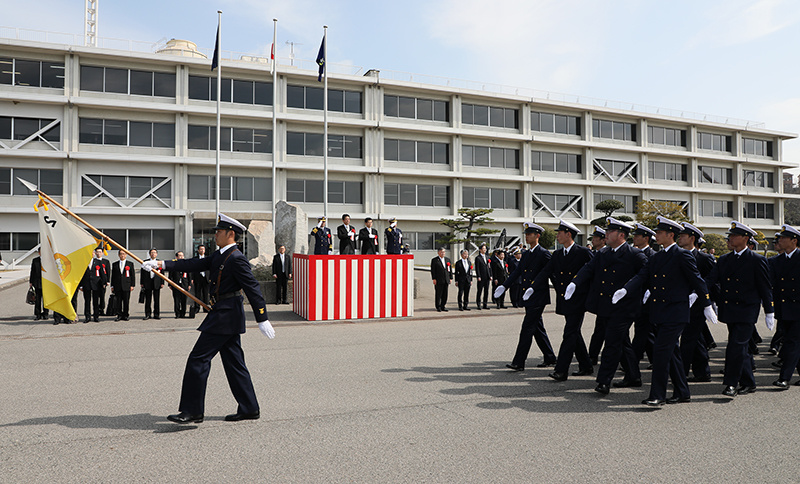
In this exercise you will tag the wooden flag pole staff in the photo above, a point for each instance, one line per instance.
(120, 247)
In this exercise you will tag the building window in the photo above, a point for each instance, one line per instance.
(416, 108)
(558, 205)
(33, 73)
(615, 170)
(660, 170)
(485, 156)
(127, 81)
(311, 144)
(241, 140)
(499, 198)
(716, 208)
(556, 162)
(310, 191)
(715, 175)
(143, 239)
(238, 91)
(758, 147)
(629, 201)
(237, 188)
(307, 97)
(416, 195)
(714, 142)
(126, 187)
(555, 123)
(762, 179)
(603, 128)
(666, 136)
(416, 151)
(425, 240)
(489, 116)
(759, 210)
(48, 181)
(23, 128)
(18, 241)
(126, 133)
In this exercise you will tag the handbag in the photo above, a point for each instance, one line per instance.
(30, 297)
(111, 307)
(141, 296)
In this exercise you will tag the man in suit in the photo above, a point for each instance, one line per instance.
(608, 271)
(281, 272)
(562, 268)
(35, 281)
(123, 280)
(368, 237)
(463, 280)
(394, 237)
(106, 265)
(643, 332)
(93, 286)
(499, 271)
(441, 275)
(531, 264)
(786, 288)
(741, 282)
(323, 243)
(221, 330)
(672, 284)
(694, 351)
(151, 285)
(515, 292)
(199, 284)
(183, 281)
(346, 234)
(482, 272)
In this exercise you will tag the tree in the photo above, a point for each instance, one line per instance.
(716, 242)
(608, 207)
(468, 227)
(548, 238)
(647, 211)
(791, 207)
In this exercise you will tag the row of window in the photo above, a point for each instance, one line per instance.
(416, 195)
(416, 151)
(125, 186)
(425, 240)
(232, 90)
(555, 123)
(602, 128)
(416, 108)
(126, 133)
(242, 140)
(22, 128)
(308, 97)
(50, 182)
(143, 240)
(666, 136)
(480, 115)
(127, 81)
(556, 162)
(33, 73)
(559, 203)
(313, 144)
(499, 198)
(239, 188)
(483, 156)
(311, 191)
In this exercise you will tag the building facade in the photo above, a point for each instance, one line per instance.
(127, 141)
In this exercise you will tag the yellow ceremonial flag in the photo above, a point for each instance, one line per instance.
(66, 252)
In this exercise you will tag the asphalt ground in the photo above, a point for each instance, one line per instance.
(425, 399)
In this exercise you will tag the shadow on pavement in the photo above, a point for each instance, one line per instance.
(139, 421)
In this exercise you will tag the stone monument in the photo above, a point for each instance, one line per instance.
(260, 242)
(291, 228)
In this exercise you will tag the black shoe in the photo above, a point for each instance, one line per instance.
(37, 318)
(584, 372)
(712, 346)
(96, 320)
(117, 318)
(627, 383)
(85, 320)
(438, 310)
(485, 307)
(699, 379)
(594, 361)
(184, 418)
(602, 388)
(146, 318)
(777, 364)
(479, 307)
(156, 317)
(444, 310)
(673, 400)
(558, 376)
(782, 384)
(242, 416)
(546, 364)
(744, 390)
(466, 309)
(514, 367)
(655, 402)
(729, 391)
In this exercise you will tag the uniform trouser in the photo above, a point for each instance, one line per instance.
(777, 338)
(693, 348)
(123, 303)
(572, 343)
(483, 286)
(195, 378)
(791, 348)
(598, 336)
(643, 336)
(738, 360)
(515, 294)
(38, 310)
(463, 295)
(153, 295)
(500, 301)
(667, 362)
(179, 303)
(617, 349)
(533, 328)
(201, 293)
(91, 303)
(440, 294)
(708, 338)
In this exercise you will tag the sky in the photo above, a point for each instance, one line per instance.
(727, 58)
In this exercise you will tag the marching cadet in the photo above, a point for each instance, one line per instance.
(606, 273)
(598, 239)
(673, 285)
(643, 333)
(346, 234)
(394, 238)
(777, 337)
(562, 268)
(694, 351)
(368, 237)
(221, 330)
(531, 264)
(515, 291)
(786, 288)
(323, 244)
(483, 273)
(463, 280)
(499, 270)
(742, 282)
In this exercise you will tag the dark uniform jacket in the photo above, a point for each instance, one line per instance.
(499, 269)
(234, 273)
(36, 273)
(441, 274)
(530, 265)
(394, 240)
(463, 276)
(741, 285)
(786, 286)
(123, 281)
(368, 245)
(607, 272)
(705, 262)
(561, 270)
(323, 243)
(346, 246)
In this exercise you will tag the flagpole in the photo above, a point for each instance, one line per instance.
(325, 119)
(219, 95)
(120, 247)
(274, 117)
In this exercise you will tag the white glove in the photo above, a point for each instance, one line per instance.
(569, 291)
(149, 265)
(330, 252)
(692, 299)
(770, 321)
(646, 296)
(266, 329)
(528, 294)
(618, 295)
(499, 291)
(710, 315)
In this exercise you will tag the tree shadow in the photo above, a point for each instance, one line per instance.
(139, 421)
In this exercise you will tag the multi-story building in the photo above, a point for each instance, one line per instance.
(127, 140)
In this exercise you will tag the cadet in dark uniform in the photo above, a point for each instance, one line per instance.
(786, 288)
(643, 332)
(221, 330)
(182, 279)
(607, 272)
(323, 243)
(394, 238)
(35, 281)
(742, 283)
(531, 264)
(499, 270)
(562, 268)
(463, 280)
(346, 234)
(598, 241)
(775, 343)
(368, 237)
(515, 291)
(670, 277)
(482, 272)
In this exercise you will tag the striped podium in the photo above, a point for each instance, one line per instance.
(331, 287)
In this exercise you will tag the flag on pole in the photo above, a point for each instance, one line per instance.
(321, 60)
(66, 252)
(215, 60)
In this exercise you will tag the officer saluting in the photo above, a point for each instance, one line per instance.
(221, 329)
(786, 287)
(323, 244)
(394, 238)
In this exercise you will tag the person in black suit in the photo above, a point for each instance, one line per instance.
(531, 264)
(183, 280)
(463, 280)
(515, 291)
(221, 330)
(346, 234)
(482, 272)
(499, 270)
(741, 283)
(93, 285)
(199, 284)
(281, 272)
(442, 275)
(608, 271)
(368, 237)
(562, 268)
(123, 280)
(643, 332)
(673, 285)
(35, 281)
(151, 285)
(786, 288)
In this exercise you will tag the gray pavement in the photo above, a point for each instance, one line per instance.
(416, 400)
